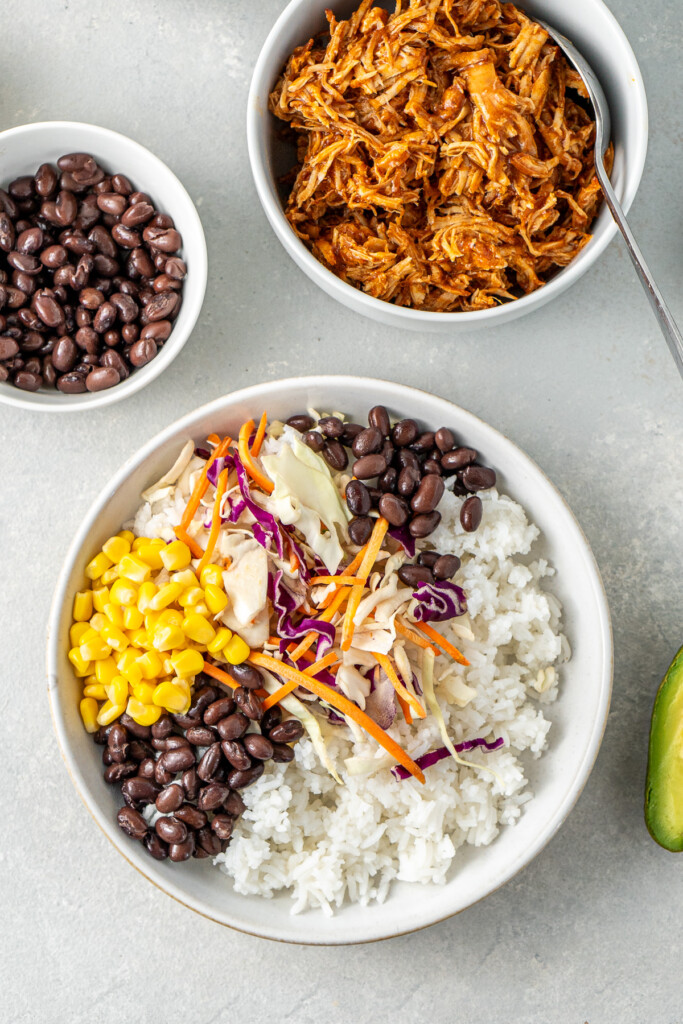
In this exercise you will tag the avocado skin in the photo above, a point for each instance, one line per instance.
(665, 761)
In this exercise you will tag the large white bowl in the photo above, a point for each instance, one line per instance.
(23, 150)
(594, 30)
(578, 716)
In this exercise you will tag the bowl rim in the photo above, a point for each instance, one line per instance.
(36, 401)
(379, 309)
(604, 678)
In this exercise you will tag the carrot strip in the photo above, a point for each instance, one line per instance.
(340, 581)
(260, 434)
(401, 690)
(213, 439)
(414, 637)
(371, 551)
(405, 708)
(311, 670)
(344, 576)
(293, 560)
(247, 460)
(341, 703)
(284, 691)
(215, 520)
(326, 616)
(443, 643)
(198, 493)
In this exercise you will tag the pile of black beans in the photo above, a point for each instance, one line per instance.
(90, 279)
(196, 793)
(401, 471)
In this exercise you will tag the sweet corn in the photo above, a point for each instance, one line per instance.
(114, 613)
(186, 577)
(198, 628)
(170, 617)
(145, 595)
(109, 576)
(143, 714)
(221, 638)
(216, 599)
(95, 690)
(187, 663)
(105, 671)
(138, 637)
(97, 565)
(201, 609)
(126, 535)
(150, 554)
(211, 574)
(82, 606)
(114, 636)
(150, 663)
(126, 658)
(98, 620)
(132, 567)
(89, 680)
(191, 597)
(144, 692)
(80, 664)
(117, 691)
(132, 673)
(88, 709)
(176, 555)
(100, 597)
(123, 592)
(116, 547)
(110, 712)
(77, 632)
(165, 638)
(167, 664)
(236, 651)
(172, 697)
(94, 649)
(132, 617)
(137, 543)
(165, 596)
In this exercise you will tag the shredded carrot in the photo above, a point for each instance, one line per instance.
(213, 439)
(371, 551)
(340, 581)
(326, 616)
(198, 493)
(222, 677)
(284, 691)
(247, 459)
(443, 643)
(293, 560)
(405, 708)
(227, 562)
(344, 576)
(215, 520)
(413, 637)
(260, 434)
(341, 703)
(401, 690)
(322, 663)
(311, 670)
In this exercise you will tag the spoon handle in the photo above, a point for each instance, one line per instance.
(666, 321)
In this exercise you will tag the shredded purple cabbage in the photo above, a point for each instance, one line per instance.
(217, 467)
(285, 604)
(439, 601)
(404, 537)
(434, 756)
(298, 551)
(268, 529)
(202, 453)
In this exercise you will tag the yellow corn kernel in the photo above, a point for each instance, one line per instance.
(187, 663)
(186, 577)
(123, 592)
(170, 617)
(145, 595)
(126, 535)
(211, 574)
(165, 638)
(115, 548)
(100, 597)
(172, 697)
(82, 606)
(236, 651)
(167, 664)
(105, 670)
(198, 628)
(97, 565)
(176, 555)
(97, 621)
(151, 620)
(114, 613)
(117, 691)
(88, 708)
(89, 680)
(126, 658)
(110, 712)
(95, 690)
(132, 618)
(138, 637)
(201, 609)
(94, 649)
(221, 638)
(165, 596)
(144, 692)
(149, 553)
(143, 714)
(150, 663)
(115, 637)
(77, 632)
(137, 542)
(191, 597)
(132, 673)
(109, 576)
(132, 567)
(216, 599)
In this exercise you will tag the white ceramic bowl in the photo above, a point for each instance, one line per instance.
(24, 149)
(578, 716)
(594, 30)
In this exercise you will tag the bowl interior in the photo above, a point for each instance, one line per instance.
(588, 23)
(578, 716)
(23, 149)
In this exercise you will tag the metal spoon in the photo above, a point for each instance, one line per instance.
(602, 137)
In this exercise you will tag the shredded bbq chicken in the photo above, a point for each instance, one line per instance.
(442, 162)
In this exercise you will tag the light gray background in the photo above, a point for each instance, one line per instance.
(592, 929)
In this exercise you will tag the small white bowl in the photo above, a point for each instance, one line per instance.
(596, 33)
(23, 150)
(578, 716)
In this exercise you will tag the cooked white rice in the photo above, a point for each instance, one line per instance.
(327, 843)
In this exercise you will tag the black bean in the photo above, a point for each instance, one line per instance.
(102, 378)
(223, 825)
(432, 466)
(428, 494)
(351, 432)
(258, 746)
(171, 830)
(212, 796)
(444, 439)
(408, 481)
(235, 753)
(132, 823)
(139, 791)
(314, 440)
(446, 567)
(232, 727)
(162, 728)
(209, 841)
(116, 772)
(368, 442)
(369, 466)
(428, 558)
(179, 852)
(457, 459)
(471, 513)
(246, 675)
(424, 524)
(288, 731)
(209, 762)
(219, 709)
(248, 703)
(271, 718)
(139, 751)
(301, 422)
(177, 760)
(411, 575)
(423, 443)
(282, 754)
(394, 509)
(190, 783)
(156, 847)
(404, 433)
(335, 455)
(234, 804)
(358, 498)
(138, 214)
(239, 779)
(170, 799)
(478, 478)
(200, 736)
(379, 417)
(388, 481)
(146, 768)
(142, 732)
(331, 426)
(191, 816)
(360, 529)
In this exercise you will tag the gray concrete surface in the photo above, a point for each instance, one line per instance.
(591, 931)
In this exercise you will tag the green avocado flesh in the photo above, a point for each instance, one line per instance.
(664, 787)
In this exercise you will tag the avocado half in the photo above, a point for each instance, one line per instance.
(664, 786)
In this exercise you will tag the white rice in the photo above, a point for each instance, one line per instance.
(327, 843)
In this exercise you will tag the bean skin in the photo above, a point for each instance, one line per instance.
(478, 478)
(424, 524)
(358, 498)
(471, 513)
(132, 823)
(379, 417)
